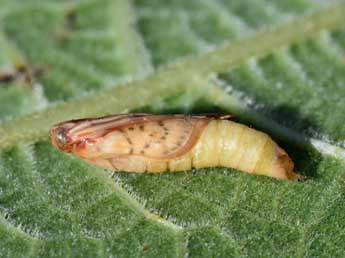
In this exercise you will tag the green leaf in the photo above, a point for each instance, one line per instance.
(277, 65)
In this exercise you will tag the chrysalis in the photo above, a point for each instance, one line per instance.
(158, 143)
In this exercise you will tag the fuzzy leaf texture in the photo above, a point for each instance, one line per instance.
(278, 66)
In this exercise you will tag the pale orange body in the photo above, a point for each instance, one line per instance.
(159, 143)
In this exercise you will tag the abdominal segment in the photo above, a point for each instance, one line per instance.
(180, 144)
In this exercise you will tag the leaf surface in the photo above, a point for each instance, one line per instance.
(277, 65)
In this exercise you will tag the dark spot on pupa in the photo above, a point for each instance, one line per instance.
(179, 143)
(165, 129)
(142, 152)
(129, 140)
(130, 128)
(147, 145)
(163, 138)
(131, 151)
(166, 133)
(141, 127)
(160, 123)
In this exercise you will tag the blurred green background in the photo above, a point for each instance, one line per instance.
(279, 66)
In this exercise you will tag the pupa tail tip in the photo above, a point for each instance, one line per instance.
(297, 177)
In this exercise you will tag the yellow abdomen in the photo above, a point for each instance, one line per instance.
(229, 144)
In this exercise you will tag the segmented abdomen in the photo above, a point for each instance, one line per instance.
(222, 143)
(229, 144)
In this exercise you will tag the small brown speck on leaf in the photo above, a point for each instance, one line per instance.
(64, 31)
(70, 20)
(6, 76)
(21, 74)
(146, 247)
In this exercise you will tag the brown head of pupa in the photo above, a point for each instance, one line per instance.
(59, 136)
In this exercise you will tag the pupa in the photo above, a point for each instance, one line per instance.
(151, 143)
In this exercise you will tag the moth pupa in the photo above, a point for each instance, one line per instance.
(158, 143)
